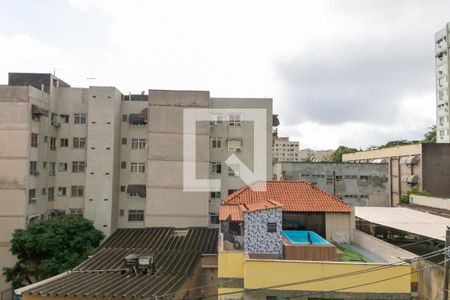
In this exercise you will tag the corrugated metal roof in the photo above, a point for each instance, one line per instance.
(295, 196)
(409, 220)
(175, 252)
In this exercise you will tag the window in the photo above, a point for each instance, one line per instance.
(62, 167)
(33, 168)
(441, 133)
(442, 81)
(77, 212)
(124, 118)
(79, 118)
(44, 165)
(64, 118)
(215, 195)
(53, 120)
(32, 195)
(45, 138)
(52, 143)
(364, 177)
(123, 165)
(330, 179)
(271, 227)
(234, 120)
(121, 213)
(441, 121)
(62, 191)
(216, 143)
(215, 119)
(79, 143)
(138, 143)
(51, 194)
(231, 191)
(51, 168)
(216, 168)
(124, 141)
(233, 170)
(78, 166)
(34, 139)
(214, 218)
(64, 142)
(234, 145)
(44, 192)
(122, 188)
(338, 177)
(135, 215)
(77, 191)
(137, 167)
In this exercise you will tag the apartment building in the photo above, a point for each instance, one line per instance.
(314, 155)
(424, 166)
(442, 85)
(358, 184)
(226, 131)
(285, 150)
(115, 159)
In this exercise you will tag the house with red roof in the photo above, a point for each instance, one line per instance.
(303, 207)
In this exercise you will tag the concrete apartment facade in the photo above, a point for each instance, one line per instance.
(442, 85)
(285, 150)
(215, 141)
(114, 159)
(425, 166)
(358, 184)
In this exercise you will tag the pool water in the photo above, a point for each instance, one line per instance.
(304, 237)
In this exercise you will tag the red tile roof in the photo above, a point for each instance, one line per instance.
(295, 196)
(234, 212)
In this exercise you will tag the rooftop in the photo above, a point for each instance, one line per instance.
(234, 212)
(295, 196)
(175, 252)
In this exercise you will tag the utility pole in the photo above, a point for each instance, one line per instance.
(446, 263)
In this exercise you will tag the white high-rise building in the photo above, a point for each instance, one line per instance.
(442, 85)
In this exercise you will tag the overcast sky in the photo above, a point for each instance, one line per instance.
(353, 73)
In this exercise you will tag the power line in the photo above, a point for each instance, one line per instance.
(428, 255)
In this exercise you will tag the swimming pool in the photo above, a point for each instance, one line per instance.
(304, 237)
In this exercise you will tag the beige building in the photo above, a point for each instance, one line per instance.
(442, 85)
(285, 150)
(86, 152)
(425, 166)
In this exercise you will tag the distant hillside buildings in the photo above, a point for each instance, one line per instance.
(442, 84)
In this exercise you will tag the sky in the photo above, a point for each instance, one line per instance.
(340, 72)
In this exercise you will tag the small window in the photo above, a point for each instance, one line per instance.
(271, 227)
(51, 194)
(234, 120)
(79, 143)
(124, 141)
(135, 215)
(121, 213)
(64, 118)
(44, 192)
(51, 168)
(62, 167)
(52, 143)
(32, 195)
(34, 139)
(215, 119)
(124, 118)
(216, 168)
(78, 166)
(122, 188)
(231, 191)
(137, 167)
(123, 165)
(234, 170)
(216, 143)
(33, 168)
(77, 212)
(79, 119)
(215, 195)
(77, 191)
(138, 144)
(62, 191)
(214, 218)
(64, 142)
(234, 145)
(45, 138)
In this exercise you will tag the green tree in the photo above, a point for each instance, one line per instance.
(430, 136)
(395, 143)
(337, 155)
(50, 247)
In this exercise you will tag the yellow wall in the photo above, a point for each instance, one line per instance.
(231, 265)
(260, 273)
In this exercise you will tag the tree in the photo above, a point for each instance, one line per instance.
(50, 247)
(395, 143)
(404, 199)
(430, 136)
(337, 155)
